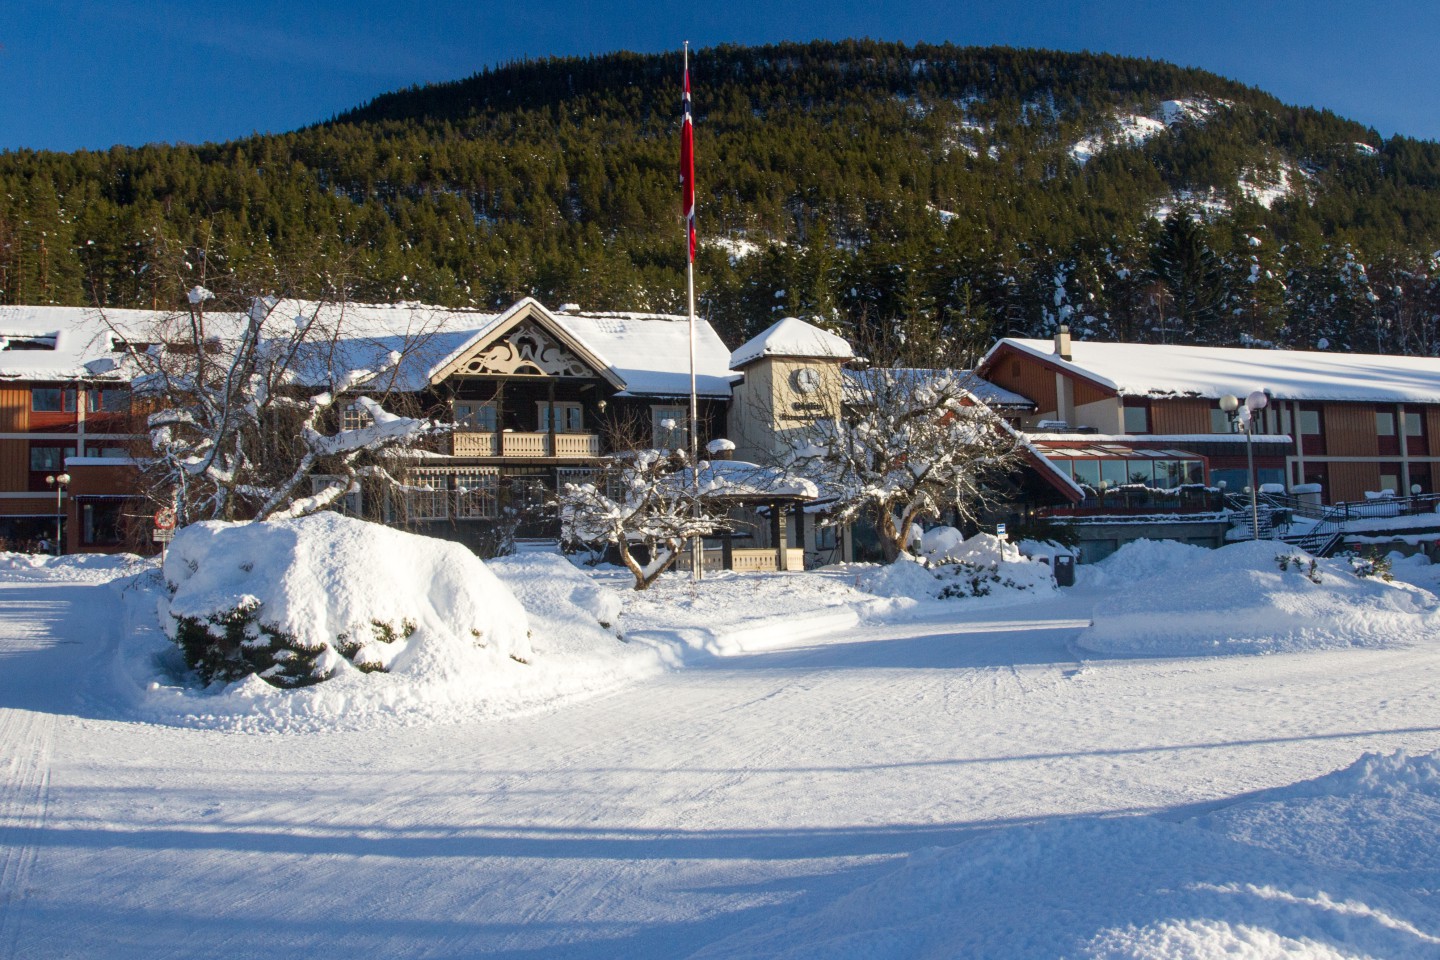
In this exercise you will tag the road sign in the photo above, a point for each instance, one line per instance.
(165, 519)
(1000, 530)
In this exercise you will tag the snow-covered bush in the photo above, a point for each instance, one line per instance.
(953, 567)
(298, 601)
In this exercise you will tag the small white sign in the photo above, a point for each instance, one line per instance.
(164, 535)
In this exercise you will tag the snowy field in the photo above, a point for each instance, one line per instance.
(1189, 754)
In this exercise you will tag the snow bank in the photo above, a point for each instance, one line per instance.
(1238, 600)
(1139, 560)
(445, 634)
(1343, 866)
(74, 568)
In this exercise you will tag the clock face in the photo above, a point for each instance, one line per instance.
(806, 379)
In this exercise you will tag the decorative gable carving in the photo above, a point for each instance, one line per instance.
(527, 350)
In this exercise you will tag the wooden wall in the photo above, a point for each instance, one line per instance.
(14, 408)
(1180, 416)
(1350, 431)
(1027, 377)
(1349, 481)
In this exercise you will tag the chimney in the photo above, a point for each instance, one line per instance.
(1062, 342)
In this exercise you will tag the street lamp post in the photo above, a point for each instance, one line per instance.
(1244, 417)
(59, 482)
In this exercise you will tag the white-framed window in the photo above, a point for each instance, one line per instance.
(440, 493)
(476, 416)
(477, 493)
(354, 416)
(569, 417)
(350, 503)
(426, 494)
(667, 427)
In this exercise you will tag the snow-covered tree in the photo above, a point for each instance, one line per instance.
(911, 445)
(640, 498)
(266, 413)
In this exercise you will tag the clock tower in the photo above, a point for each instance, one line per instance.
(793, 377)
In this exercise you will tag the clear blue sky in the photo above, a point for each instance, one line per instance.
(92, 73)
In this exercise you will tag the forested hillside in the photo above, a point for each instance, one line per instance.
(934, 195)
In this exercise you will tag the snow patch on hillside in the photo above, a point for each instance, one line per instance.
(1130, 130)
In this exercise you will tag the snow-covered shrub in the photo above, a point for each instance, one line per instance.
(953, 567)
(1372, 563)
(296, 602)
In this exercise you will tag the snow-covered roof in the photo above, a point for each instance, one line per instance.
(1162, 370)
(859, 383)
(649, 353)
(67, 343)
(792, 337)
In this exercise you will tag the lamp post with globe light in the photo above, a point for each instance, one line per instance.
(59, 482)
(1243, 416)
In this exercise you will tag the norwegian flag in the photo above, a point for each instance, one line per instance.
(687, 167)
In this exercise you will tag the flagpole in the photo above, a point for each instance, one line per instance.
(697, 544)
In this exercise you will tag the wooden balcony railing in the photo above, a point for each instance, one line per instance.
(465, 443)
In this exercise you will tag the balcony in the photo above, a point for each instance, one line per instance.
(466, 443)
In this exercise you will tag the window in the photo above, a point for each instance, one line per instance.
(476, 416)
(101, 524)
(1220, 421)
(349, 503)
(477, 494)
(667, 427)
(1114, 473)
(1390, 482)
(52, 399)
(1087, 472)
(109, 453)
(1385, 423)
(426, 495)
(569, 417)
(1310, 422)
(354, 416)
(1137, 419)
(107, 399)
(1414, 426)
(49, 459)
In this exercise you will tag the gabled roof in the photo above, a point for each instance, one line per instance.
(638, 353)
(1163, 370)
(792, 337)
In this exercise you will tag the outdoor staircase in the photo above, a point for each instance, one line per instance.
(1326, 527)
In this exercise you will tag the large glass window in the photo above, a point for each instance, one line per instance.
(49, 459)
(476, 416)
(569, 417)
(1088, 473)
(1113, 473)
(52, 399)
(1137, 419)
(107, 399)
(1140, 471)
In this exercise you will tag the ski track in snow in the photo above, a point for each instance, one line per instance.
(646, 822)
(37, 621)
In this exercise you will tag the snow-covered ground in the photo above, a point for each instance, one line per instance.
(785, 765)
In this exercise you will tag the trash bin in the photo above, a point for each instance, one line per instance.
(1064, 570)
